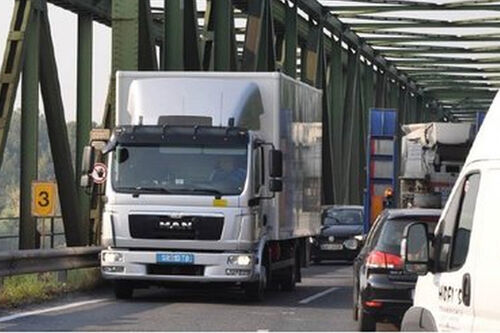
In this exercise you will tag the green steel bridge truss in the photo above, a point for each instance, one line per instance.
(363, 54)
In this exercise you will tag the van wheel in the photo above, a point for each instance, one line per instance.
(366, 322)
(123, 289)
(254, 291)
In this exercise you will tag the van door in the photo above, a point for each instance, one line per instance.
(486, 296)
(454, 265)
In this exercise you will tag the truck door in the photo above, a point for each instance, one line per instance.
(452, 288)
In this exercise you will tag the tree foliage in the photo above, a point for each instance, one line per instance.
(11, 168)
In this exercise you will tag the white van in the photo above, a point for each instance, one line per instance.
(459, 283)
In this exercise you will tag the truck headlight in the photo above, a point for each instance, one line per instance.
(240, 260)
(110, 257)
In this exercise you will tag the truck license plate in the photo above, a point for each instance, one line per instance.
(331, 246)
(175, 258)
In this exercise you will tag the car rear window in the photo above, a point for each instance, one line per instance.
(344, 216)
(391, 233)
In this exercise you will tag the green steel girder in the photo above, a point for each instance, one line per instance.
(396, 51)
(332, 23)
(181, 36)
(259, 52)
(313, 53)
(224, 36)
(438, 69)
(11, 67)
(83, 107)
(348, 11)
(335, 90)
(147, 45)
(408, 60)
(29, 132)
(58, 136)
(351, 141)
(291, 41)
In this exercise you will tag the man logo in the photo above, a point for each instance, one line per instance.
(175, 225)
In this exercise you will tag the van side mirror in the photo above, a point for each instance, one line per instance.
(415, 248)
(275, 163)
(87, 163)
(275, 185)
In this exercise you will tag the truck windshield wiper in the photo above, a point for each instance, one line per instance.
(136, 191)
(201, 190)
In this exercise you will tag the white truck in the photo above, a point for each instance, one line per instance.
(213, 177)
(432, 156)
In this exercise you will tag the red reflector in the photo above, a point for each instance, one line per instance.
(379, 259)
(373, 304)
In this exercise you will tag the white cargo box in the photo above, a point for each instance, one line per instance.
(430, 134)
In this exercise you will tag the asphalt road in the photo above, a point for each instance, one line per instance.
(322, 302)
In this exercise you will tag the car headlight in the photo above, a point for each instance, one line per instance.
(240, 260)
(351, 244)
(110, 257)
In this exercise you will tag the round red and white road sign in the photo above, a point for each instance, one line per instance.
(99, 173)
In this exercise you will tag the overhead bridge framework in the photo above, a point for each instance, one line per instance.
(363, 54)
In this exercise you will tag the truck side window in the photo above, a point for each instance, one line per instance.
(455, 230)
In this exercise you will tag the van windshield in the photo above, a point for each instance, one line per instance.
(201, 170)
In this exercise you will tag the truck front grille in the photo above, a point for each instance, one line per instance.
(168, 227)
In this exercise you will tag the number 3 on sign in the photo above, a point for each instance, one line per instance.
(43, 196)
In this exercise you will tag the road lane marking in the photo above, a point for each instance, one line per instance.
(56, 308)
(318, 295)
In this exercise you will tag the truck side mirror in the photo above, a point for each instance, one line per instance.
(275, 163)
(87, 163)
(275, 185)
(415, 248)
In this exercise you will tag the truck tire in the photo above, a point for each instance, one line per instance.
(290, 279)
(123, 289)
(254, 291)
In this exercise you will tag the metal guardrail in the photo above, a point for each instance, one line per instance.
(48, 237)
(47, 260)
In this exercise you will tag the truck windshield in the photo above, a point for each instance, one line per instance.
(199, 170)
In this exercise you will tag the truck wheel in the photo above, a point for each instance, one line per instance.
(290, 279)
(254, 291)
(366, 322)
(123, 289)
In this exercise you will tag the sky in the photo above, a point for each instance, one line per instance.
(64, 35)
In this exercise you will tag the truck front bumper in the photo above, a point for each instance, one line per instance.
(206, 267)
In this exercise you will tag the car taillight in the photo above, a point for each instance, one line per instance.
(379, 259)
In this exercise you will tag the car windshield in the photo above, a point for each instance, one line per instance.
(199, 170)
(344, 216)
(392, 232)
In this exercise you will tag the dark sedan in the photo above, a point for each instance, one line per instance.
(383, 291)
(340, 225)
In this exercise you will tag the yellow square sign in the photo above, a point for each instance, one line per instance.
(44, 196)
